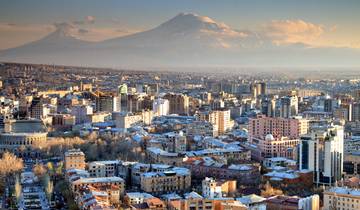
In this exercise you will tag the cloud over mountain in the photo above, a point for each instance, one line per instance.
(293, 31)
(186, 40)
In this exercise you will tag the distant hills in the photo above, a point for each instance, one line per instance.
(187, 40)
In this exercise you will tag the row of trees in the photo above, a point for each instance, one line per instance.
(9, 165)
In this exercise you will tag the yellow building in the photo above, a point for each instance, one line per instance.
(194, 201)
(342, 198)
(220, 119)
(74, 158)
(174, 180)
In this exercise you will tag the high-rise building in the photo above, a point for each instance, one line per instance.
(177, 142)
(268, 106)
(123, 92)
(260, 126)
(81, 113)
(321, 151)
(258, 89)
(38, 109)
(107, 102)
(219, 118)
(288, 106)
(355, 115)
(161, 107)
(179, 103)
(217, 104)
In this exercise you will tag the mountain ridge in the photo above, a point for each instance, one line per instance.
(186, 39)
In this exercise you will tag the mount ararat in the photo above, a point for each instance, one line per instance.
(187, 40)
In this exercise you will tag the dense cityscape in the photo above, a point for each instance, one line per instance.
(96, 138)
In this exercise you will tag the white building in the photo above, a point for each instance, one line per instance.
(322, 151)
(126, 120)
(161, 107)
(210, 189)
(105, 168)
(81, 113)
(137, 197)
(253, 202)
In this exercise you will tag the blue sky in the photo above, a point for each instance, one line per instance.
(137, 15)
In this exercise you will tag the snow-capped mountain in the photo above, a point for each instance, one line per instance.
(185, 40)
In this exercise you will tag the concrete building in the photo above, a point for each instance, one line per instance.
(201, 128)
(74, 159)
(342, 198)
(279, 147)
(81, 113)
(288, 106)
(103, 168)
(161, 107)
(322, 151)
(205, 167)
(157, 155)
(126, 120)
(220, 119)
(175, 180)
(104, 183)
(352, 164)
(261, 125)
(179, 103)
(136, 197)
(38, 109)
(212, 188)
(355, 115)
(293, 203)
(253, 202)
(276, 137)
(176, 142)
(107, 102)
(150, 204)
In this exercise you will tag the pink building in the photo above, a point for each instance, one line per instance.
(276, 137)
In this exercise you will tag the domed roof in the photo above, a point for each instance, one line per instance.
(269, 137)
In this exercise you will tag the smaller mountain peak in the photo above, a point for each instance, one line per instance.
(64, 29)
(194, 17)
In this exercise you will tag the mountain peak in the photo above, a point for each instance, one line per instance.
(192, 21)
(194, 17)
(64, 29)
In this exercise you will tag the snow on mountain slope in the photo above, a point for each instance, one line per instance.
(185, 40)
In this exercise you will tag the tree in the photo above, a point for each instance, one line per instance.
(39, 170)
(18, 189)
(9, 164)
(270, 191)
(49, 186)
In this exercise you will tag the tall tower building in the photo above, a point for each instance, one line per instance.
(161, 107)
(322, 151)
(109, 103)
(179, 103)
(268, 106)
(220, 119)
(288, 106)
(123, 94)
(355, 115)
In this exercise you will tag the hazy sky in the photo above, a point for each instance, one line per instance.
(315, 22)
